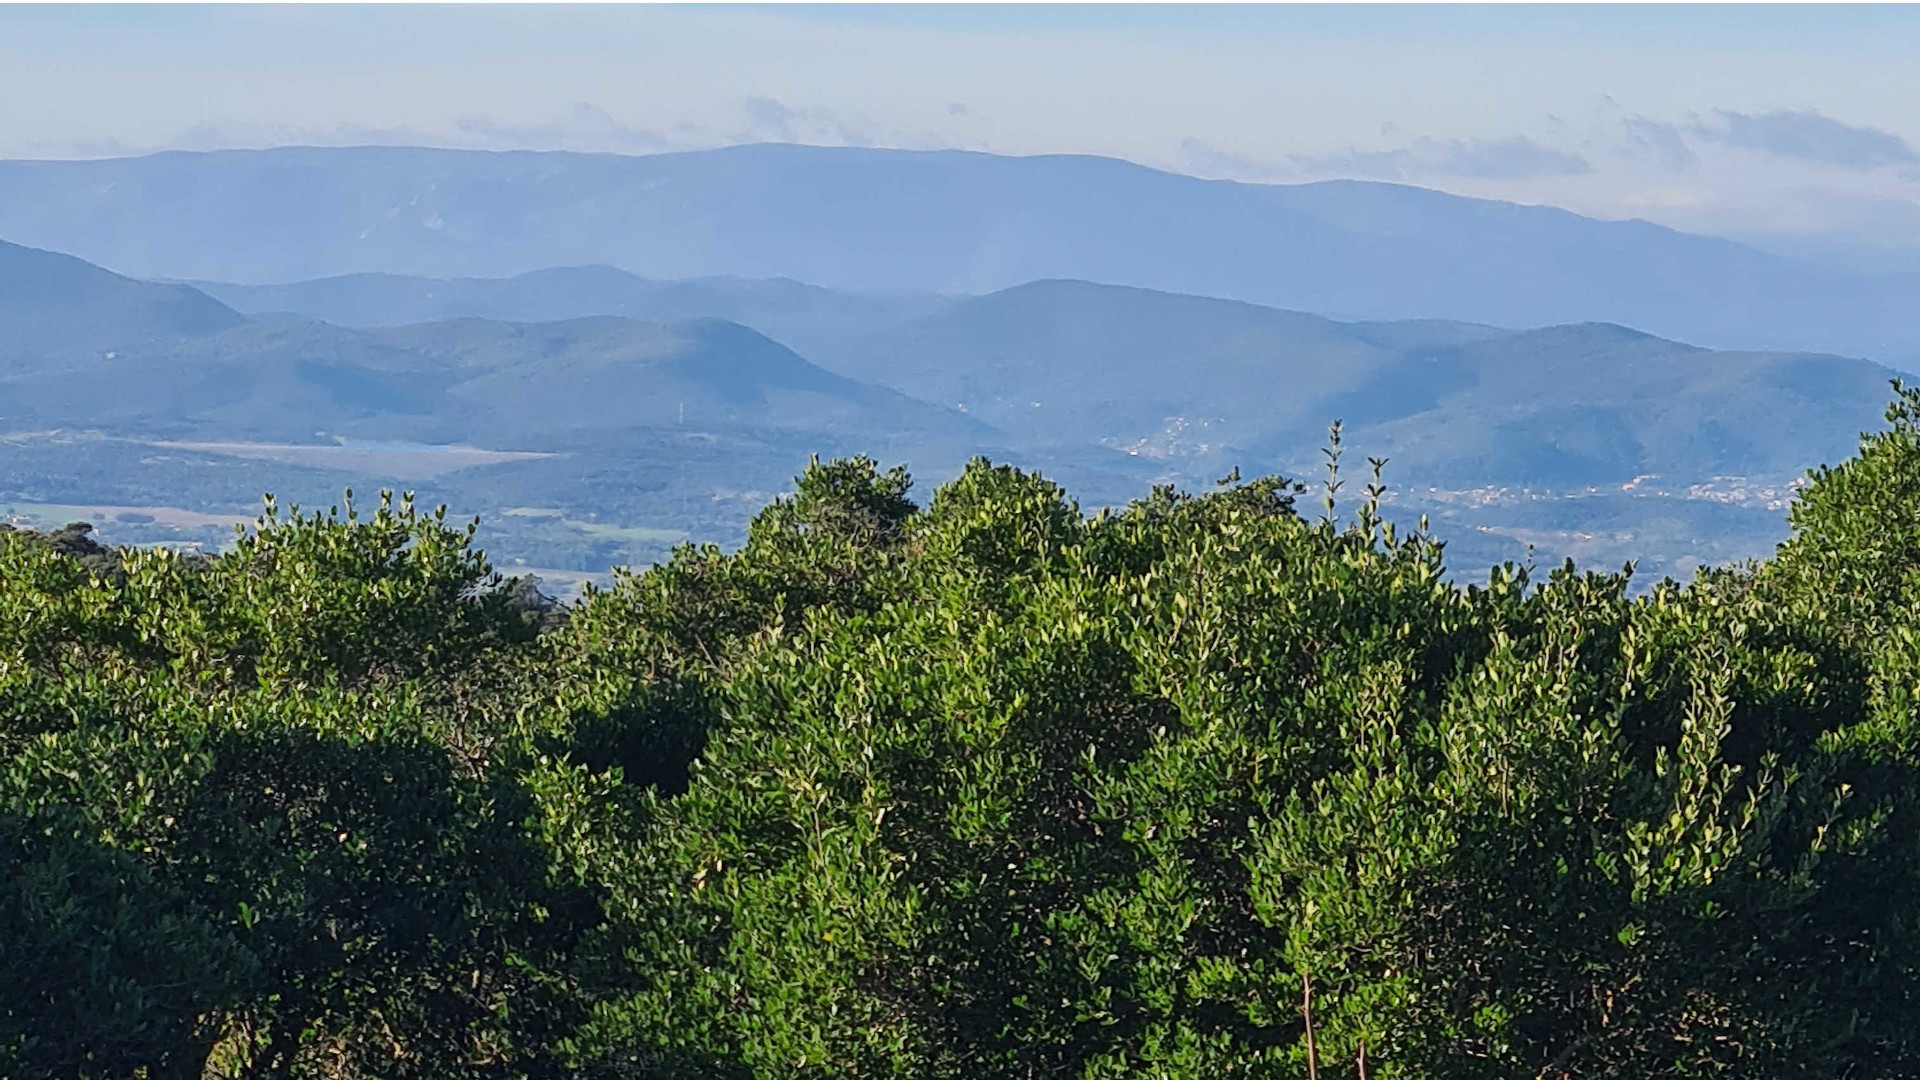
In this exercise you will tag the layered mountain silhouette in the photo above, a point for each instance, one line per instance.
(944, 221)
(54, 305)
(803, 316)
(468, 380)
(1227, 383)
(687, 422)
(1188, 384)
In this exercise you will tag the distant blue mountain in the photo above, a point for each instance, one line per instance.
(680, 425)
(54, 306)
(805, 317)
(942, 221)
(1206, 384)
(470, 380)
(1191, 386)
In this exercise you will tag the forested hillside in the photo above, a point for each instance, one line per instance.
(1229, 784)
(1197, 385)
(57, 306)
(514, 385)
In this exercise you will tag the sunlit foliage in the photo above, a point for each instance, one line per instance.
(1212, 786)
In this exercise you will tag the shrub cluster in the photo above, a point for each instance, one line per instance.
(1207, 787)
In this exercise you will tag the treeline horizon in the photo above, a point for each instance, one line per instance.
(1229, 784)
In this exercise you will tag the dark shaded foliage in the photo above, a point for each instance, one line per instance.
(1202, 788)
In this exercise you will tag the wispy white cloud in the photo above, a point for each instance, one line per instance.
(1515, 157)
(1658, 141)
(772, 120)
(1808, 136)
(1204, 159)
(584, 126)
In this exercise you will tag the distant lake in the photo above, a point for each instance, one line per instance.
(399, 460)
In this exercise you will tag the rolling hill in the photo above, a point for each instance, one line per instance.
(944, 221)
(1206, 384)
(519, 384)
(56, 305)
(598, 438)
(805, 317)
(1194, 383)
(1156, 373)
(583, 443)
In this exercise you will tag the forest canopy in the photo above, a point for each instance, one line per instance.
(1229, 784)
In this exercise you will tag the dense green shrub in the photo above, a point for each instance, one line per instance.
(1201, 788)
(273, 810)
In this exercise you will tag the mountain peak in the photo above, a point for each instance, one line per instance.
(57, 305)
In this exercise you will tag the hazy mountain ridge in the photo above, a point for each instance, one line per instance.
(678, 428)
(1226, 384)
(54, 305)
(799, 315)
(466, 380)
(1198, 384)
(942, 221)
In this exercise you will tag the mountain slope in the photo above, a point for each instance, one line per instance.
(1058, 361)
(626, 435)
(1205, 384)
(802, 316)
(1187, 384)
(522, 385)
(57, 305)
(945, 221)
(1600, 404)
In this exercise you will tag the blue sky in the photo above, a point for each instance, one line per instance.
(1795, 125)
